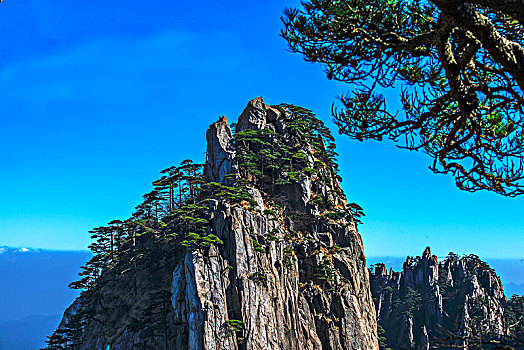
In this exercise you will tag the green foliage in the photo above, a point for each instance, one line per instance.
(173, 199)
(514, 315)
(452, 257)
(325, 272)
(356, 211)
(230, 194)
(192, 240)
(268, 160)
(406, 304)
(269, 212)
(461, 97)
(382, 341)
(335, 215)
(475, 264)
(288, 253)
(70, 335)
(258, 277)
(479, 322)
(258, 247)
(235, 325)
(335, 248)
(389, 290)
(176, 212)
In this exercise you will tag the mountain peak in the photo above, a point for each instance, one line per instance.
(259, 251)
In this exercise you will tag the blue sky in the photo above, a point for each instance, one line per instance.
(96, 99)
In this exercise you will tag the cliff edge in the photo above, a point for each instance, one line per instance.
(260, 251)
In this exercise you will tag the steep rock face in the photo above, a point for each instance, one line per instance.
(220, 152)
(282, 276)
(458, 302)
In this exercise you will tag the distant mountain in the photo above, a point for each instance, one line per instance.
(28, 333)
(513, 288)
(510, 271)
(454, 302)
(394, 262)
(35, 282)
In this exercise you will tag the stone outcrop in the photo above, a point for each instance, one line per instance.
(220, 152)
(457, 303)
(282, 277)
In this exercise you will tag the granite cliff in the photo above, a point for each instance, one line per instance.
(458, 302)
(260, 251)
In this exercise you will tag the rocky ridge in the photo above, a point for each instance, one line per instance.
(278, 262)
(455, 303)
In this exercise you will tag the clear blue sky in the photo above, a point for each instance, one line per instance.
(97, 98)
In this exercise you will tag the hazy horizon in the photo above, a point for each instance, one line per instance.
(35, 293)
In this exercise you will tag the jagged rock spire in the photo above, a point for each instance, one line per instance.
(273, 277)
(220, 152)
(257, 115)
(430, 304)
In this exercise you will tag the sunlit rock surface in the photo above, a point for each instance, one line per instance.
(282, 279)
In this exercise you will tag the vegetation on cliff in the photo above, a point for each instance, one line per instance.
(457, 302)
(176, 217)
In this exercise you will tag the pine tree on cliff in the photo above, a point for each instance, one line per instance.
(514, 318)
(102, 257)
(70, 335)
(192, 176)
(176, 219)
(168, 183)
(118, 235)
(155, 318)
(149, 210)
(248, 159)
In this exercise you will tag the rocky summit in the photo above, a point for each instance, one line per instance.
(458, 302)
(255, 249)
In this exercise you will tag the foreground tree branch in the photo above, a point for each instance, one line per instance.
(459, 67)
